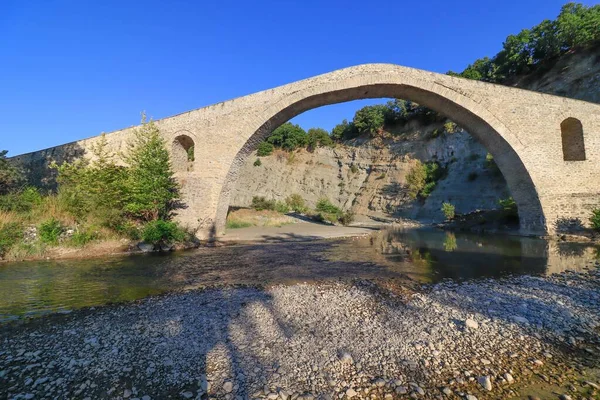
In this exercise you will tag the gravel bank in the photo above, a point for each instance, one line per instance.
(484, 339)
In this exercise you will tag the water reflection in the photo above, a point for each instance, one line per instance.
(35, 288)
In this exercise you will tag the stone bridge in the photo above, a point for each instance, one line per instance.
(547, 147)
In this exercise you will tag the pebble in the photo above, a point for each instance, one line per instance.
(485, 382)
(471, 324)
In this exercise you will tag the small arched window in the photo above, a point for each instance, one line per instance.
(573, 145)
(183, 153)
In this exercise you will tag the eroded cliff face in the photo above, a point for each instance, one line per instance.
(368, 176)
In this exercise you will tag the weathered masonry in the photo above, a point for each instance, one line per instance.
(547, 147)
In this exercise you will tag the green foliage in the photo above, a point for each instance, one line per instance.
(259, 203)
(296, 203)
(190, 153)
(289, 137)
(318, 137)
(257, 163)
(21, 201)
(281, 207)
(381, 176)
(264, 149)
(326, 206)
(160, 231)
(50, 231)
(450, 242)
(81, 238)
(576, 26)
(353, 168)
(594, 219)
(151, 189)
(509, 207)
(346, 218)
(10, 234)
(344, 131)
(449, 210)
(450, 127)
(370, 119)
(422, 178)
(10, 176)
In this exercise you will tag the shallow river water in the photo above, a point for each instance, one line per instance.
(421, 255)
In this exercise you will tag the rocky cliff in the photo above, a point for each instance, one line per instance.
(368, 176)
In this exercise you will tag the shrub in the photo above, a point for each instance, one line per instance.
(353, 168)
(472, 176)
(381, 176)
(282, 207)
(450, 127)
(257, 163)
(509, 207)
(81, 238)
(595, 219)
(344, 131)
(264, 149)
(296, 203)
(161, 231)
(50, 231)
(346, 218)
(10, 234)
(449, 210)
(10, 175)
(324, 205)
(422, 178)
(22, 201)
(259, 203)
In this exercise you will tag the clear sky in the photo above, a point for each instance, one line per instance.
(73, 69)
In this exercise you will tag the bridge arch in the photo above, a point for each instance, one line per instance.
(463, 108)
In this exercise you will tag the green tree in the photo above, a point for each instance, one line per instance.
(318, 137)
(151, 190)
(10, 175)
(289, 137)
(370, 118)
(344, 131)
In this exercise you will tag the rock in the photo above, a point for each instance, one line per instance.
(145, 247)
(521, 320)
(228, 386)
(346, 358)
(447, 391)
(350, 393)
(126, 393)
(146, 397)
(471, 324)
(272, 396)
(471, 397)
(595, 386)
(187, 395)
(401, 390)
(380, 383)
(485, 382)
(509, 378)
(565, 397)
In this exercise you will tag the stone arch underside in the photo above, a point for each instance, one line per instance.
(481, 124)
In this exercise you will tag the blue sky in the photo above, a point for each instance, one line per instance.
(73, 69)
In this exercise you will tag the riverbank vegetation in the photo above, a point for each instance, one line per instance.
(130, 196)
(264, 212)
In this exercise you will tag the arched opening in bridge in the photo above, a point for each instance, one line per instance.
(183, 153)
(481, 125)
(573, 144)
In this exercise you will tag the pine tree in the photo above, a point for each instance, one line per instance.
(152, 191)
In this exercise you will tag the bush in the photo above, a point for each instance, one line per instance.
(10, 175)
(353, 168)
(450, 127)
(233, 224)
(10, 234)
(422, 178)
(346, 218)
(296, 203)
(595, 219)
(509, 208)
(264, 149)
(161, 231)
(370, 118)
(50, 231)
(318, 137)
(381, 176)
(324, 205)
(257, 163)
(81, 238)
(449, 211)
(259, 203)
(344, 131)
(23, 201)
(289, 137)
(282, 207)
